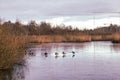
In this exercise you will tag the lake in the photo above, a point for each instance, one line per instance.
(69, 61)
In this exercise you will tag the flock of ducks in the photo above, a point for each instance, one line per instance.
(57, 54)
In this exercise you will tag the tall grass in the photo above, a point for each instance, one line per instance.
(11, 49)
(59, 38)
(69, 38)
(116, 38)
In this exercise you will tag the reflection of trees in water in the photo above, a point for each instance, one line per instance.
(16, 73)
(46, 48)
(63, 47)
(6, 74)
(116, 47)
(74, 47)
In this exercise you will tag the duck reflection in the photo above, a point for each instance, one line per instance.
(56, 57)
(64, 56)
(73, 56)
(116, 47)
(15, 73)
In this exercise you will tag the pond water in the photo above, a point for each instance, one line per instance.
(70, 61)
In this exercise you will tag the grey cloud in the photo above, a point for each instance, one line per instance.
(49, 8)
(82, 8)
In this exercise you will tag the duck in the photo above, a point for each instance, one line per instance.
(63, 53)
(73, 52)
(31, 53)
(46, 54)
(56, 54)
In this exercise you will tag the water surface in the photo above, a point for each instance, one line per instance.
(91, 61)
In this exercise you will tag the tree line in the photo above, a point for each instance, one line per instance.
(32, 28)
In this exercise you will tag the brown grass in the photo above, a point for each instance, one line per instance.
(116, 38)
(101, 37)
(73, 38)
(11, 50)
(59, 38)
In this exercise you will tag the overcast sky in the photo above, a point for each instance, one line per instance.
(60, 11)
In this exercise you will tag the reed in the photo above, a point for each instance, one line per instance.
(59, 38)
(11, 50)
(116, 38)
